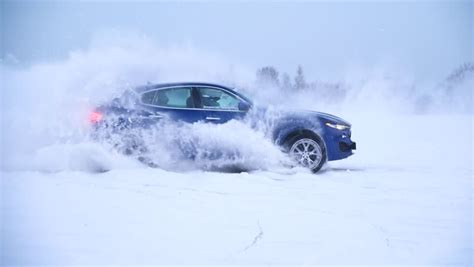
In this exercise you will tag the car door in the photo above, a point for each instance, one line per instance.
(218, 105)
(176, 103)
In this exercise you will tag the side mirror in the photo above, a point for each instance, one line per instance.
(244, 106)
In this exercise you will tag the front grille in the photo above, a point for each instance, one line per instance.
(344, 147)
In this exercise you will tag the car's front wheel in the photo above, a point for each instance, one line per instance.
(308, 152)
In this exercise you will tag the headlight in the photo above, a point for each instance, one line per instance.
(340, 127)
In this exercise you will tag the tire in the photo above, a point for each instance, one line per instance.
(307, 151)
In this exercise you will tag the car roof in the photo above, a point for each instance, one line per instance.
(144, 88)
(150, 86)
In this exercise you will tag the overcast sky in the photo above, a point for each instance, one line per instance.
(425, 38)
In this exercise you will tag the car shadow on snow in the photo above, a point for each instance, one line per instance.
(341, 169)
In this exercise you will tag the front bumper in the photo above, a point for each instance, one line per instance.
(346, 147)
(339, 144)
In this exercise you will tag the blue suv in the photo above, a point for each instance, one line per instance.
(310, 138)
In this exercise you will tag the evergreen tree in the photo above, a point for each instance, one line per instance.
(286, 82)
(300, 82)
(268, 75)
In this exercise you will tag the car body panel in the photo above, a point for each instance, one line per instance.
(338, 143)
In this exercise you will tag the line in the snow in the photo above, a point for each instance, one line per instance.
(256, 238)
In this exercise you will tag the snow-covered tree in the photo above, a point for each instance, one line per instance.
(300, 82)
(286, 82)
(268, 75)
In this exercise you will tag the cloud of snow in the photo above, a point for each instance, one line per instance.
(45, 106)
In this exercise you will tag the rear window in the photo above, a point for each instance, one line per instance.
(173, 97)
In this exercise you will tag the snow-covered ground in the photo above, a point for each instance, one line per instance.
(405, 197)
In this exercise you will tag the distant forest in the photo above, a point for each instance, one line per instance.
(456, 88)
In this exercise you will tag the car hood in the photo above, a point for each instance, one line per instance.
(300, 114)
(324, 116)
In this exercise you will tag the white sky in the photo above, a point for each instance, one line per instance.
(425, 38)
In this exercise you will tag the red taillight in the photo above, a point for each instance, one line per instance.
(96, 117)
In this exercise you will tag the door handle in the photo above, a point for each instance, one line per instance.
(213, 118)
(156, 116)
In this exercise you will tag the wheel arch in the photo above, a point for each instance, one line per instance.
(290, 135)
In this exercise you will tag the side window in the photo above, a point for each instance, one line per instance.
(172, 97)
(148, 97)
(218, 99)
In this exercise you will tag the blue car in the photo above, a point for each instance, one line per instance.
(310, 138)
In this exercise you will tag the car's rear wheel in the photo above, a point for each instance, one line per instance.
(308, 152)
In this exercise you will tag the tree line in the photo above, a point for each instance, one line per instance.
(269, 76)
